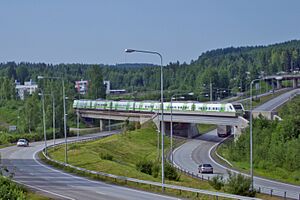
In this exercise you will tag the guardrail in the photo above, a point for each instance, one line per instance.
(133, 180)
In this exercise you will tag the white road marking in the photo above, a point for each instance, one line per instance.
(37, 188)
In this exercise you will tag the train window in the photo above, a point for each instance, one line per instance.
(230, 107)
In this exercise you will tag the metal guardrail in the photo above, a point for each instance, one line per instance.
(151, 183)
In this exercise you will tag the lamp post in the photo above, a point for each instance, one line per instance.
(65, 116)
(44, 119)
(171, 123)
(77, 112)
(53, 113)
(162, 106)
(251, 136)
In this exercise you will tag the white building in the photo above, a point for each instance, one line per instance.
(81, 86)
(29, 87)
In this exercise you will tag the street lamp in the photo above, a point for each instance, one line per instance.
(251, 136)
(44, 119)
(171, 124)
(53, 113)
(162, 106)
(65, 116)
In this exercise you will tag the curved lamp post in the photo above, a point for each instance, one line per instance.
(162, 106)
(44, 119)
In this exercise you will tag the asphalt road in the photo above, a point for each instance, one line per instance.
(59, 185)
(276, 102)
(189, 155)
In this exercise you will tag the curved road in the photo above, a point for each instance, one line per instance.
(59, 185)
(189, 155)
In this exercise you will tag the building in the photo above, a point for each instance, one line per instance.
(81, 86)
(29, 87)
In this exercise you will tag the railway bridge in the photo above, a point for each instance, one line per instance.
(186, 119)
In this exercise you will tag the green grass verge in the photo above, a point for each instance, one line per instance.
(32, 195)
(126, 149)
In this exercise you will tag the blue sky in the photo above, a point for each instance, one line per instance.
(98, 31)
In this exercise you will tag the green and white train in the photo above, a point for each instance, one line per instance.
(154, 106)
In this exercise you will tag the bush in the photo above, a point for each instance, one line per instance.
(239, 184)
(217, 182)
(145, 166)
(155, 170)
(10, 190)
(171, 173)
(106, 156)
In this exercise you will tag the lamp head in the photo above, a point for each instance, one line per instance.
(129, 50)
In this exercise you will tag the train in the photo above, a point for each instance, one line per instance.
(155, 106)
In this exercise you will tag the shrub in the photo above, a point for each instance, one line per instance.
(10, 190)
(239, 184)
(106, 156)
(155, 170)
(145, 166)
(171, 173)
(217, 182)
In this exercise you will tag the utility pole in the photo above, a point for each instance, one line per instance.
(210, 85)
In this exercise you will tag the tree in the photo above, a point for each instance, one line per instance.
(22, 74)
(96, 87)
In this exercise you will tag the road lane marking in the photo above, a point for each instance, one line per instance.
(37, 188)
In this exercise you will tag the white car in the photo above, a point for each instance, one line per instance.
(22, 143)
(205, 168)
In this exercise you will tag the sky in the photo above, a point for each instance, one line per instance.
(98, 31)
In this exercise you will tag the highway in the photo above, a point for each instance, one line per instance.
(197, 151)
(59, 185)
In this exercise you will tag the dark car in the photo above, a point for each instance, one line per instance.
(205, 168)
(22, 143)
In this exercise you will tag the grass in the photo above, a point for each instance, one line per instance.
(9, 112)
(126, 149)
(32, 195)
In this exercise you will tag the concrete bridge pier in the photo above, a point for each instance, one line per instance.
(279, 85)
(295, 83)
(237, 131)
(101, 125)
(188, 130)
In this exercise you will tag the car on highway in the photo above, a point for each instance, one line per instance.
(205, 168)
(22, 143)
